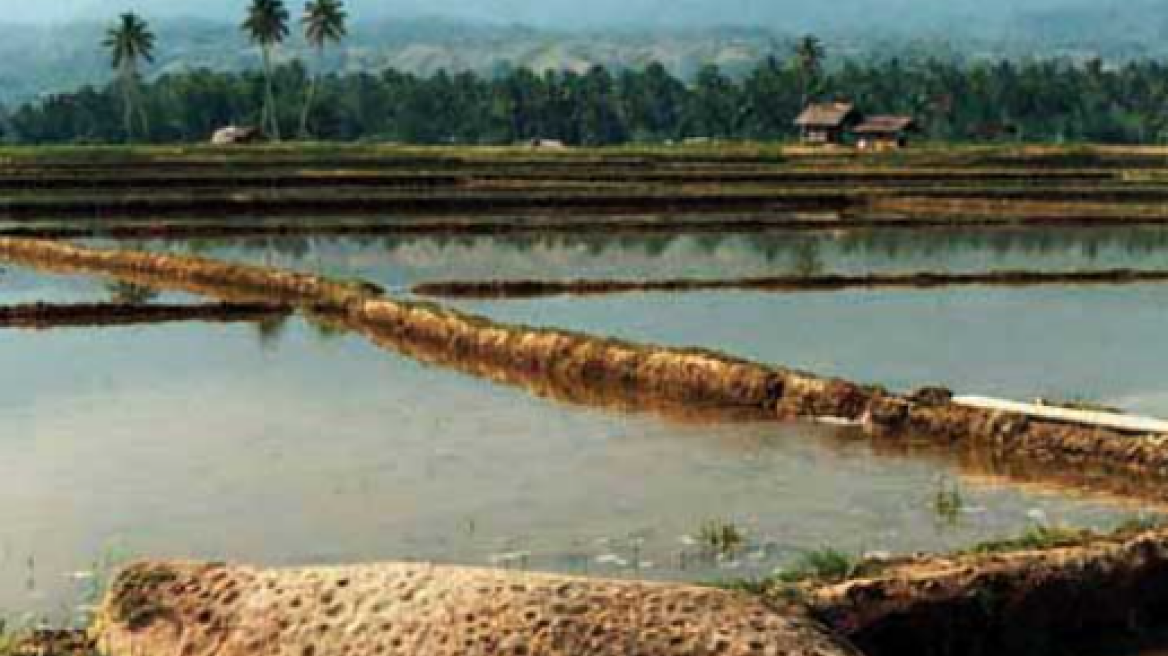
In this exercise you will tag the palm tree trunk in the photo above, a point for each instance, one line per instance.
(136, 90)
(270, 96)
(311, 93)
(806, 80)
(144, 117)
(127, 106)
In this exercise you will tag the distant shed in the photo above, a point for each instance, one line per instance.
(884, 132)
(826, 123)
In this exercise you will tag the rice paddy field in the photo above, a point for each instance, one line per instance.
(289, 440)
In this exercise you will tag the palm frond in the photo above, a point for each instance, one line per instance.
(129, 41)
(267, 22)
(324, 22)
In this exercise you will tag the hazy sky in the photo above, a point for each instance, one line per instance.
(572, 13)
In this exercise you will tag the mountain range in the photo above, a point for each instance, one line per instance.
(54, 46)
(562, 14)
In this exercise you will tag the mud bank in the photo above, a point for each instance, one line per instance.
(309, 202)
(559, 388)
(593, 365)
(415, 610)
(79, 315)
(503, 289)
(244, 225)
(1005, 210)
(168, 177)
(1006, 600)
(185, 273)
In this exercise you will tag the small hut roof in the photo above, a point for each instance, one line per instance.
(886, 125)
(826, 115)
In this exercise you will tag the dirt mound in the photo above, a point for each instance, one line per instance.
(424, 610)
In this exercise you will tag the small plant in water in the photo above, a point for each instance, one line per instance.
(948, 502)
(1140, 525)
(721, 537)
(7, 641)
(1037, 537)
(826, 564)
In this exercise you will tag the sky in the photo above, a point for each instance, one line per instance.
(587, 13)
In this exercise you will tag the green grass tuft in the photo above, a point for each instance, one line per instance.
(824, 565)
(1037, 537)
(721, 537)
(948, 502)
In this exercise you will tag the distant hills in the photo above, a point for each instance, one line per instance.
(60, 49)
(913, 15)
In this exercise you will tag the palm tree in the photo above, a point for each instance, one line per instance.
(809, 55)
(129, 42)
(324, 23)
(267, 26)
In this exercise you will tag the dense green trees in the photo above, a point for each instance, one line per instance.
(130, 42)
(1055, 101)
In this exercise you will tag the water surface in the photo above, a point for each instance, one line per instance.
(22, 285)
(288, 445)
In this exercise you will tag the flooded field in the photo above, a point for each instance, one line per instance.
(291, 444)
(402, 261)
(1082, 343)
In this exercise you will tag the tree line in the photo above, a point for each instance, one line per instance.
(1040, 100)
(131, 41)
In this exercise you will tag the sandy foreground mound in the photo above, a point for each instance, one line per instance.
(194, 609)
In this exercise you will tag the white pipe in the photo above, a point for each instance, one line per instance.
(1114, 420)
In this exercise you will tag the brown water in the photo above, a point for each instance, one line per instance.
(293, 445)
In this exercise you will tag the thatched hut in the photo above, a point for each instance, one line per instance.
(884, 132)
(827, 123)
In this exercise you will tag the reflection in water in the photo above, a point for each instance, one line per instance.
(401, 261)
(189, 441)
